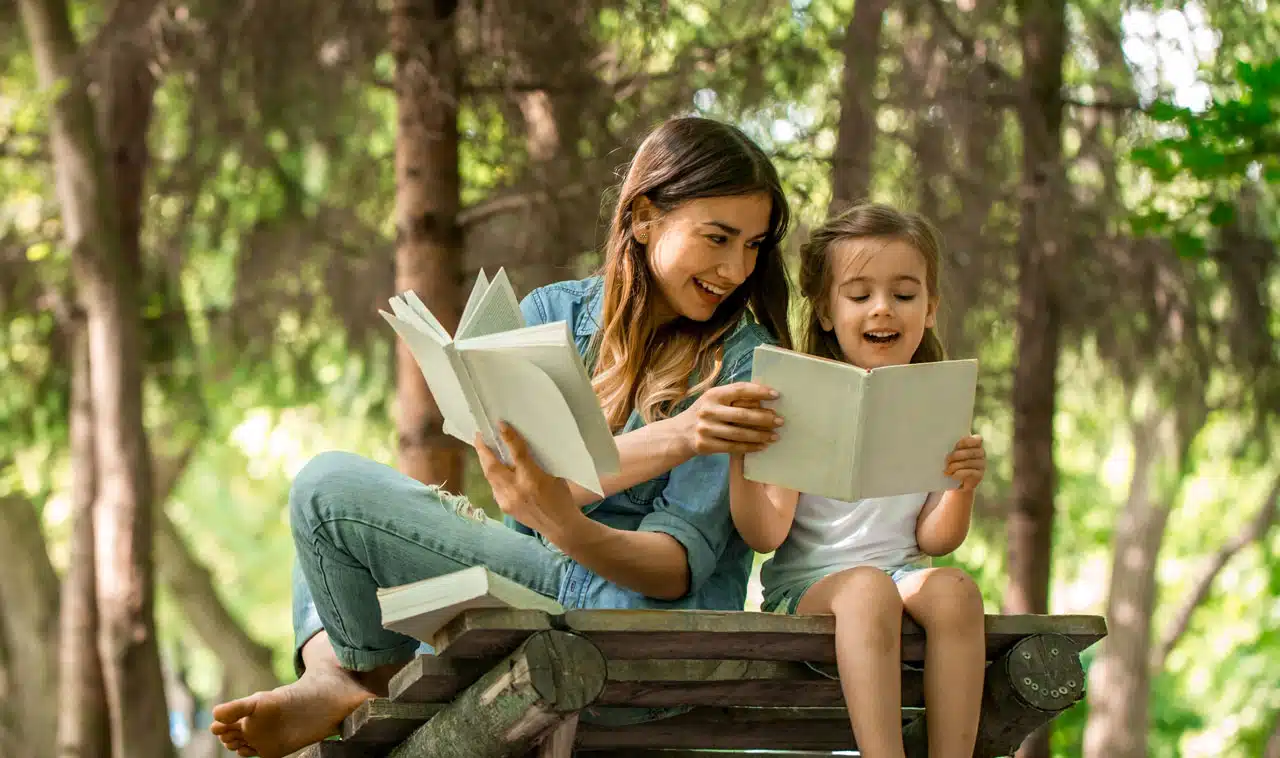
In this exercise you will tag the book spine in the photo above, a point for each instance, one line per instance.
(859, 426)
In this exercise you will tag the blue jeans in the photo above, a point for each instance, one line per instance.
(359, 525)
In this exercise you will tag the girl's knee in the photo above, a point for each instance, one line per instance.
(951, 599)
(866, 590)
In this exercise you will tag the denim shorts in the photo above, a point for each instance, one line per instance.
(787, 598)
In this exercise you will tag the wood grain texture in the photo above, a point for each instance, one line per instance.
(504, 713)
(661, 683)
(649, 634)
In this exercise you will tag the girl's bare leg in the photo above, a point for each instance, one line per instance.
(947, 603)
(868, 611)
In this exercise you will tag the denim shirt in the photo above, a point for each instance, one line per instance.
(690, 502)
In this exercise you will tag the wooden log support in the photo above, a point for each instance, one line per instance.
(1035, 680)
(548, 678)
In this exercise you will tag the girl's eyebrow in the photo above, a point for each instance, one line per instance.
(896, 279)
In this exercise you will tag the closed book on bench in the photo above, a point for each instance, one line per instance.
(421, 608)
(852, 433)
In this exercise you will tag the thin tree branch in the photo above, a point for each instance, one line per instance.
(1254, 531)
(995, 72)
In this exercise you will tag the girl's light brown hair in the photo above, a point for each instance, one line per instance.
(865, 221)
(645, 368)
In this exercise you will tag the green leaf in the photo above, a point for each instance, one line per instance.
(1223, 213)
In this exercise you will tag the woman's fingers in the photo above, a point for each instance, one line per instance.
(713, 431)
(744, 392)
(757, 418)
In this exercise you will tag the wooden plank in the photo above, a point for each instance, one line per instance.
(487, 633)
(643, 634)
(339, 749)
(432, 679)
(382, 722)
(661, 683)
(550, 677)
(646, 752)
(731, 729)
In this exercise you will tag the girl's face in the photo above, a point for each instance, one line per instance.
(877, 305)
(702, 250)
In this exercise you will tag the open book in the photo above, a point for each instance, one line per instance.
(497, 369)
(419, 609)
(851, 433)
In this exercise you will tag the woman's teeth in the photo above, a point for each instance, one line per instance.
(717, 291)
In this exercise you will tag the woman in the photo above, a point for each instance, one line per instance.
(693, 281)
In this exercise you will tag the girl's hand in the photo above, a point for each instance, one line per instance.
(967, 462)
(523, 490)
(729, 419)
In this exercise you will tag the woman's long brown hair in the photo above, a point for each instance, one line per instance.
(865, 221)
(645, 368)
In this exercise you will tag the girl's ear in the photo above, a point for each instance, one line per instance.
(643, 214)
(824, 317)
(931, 316)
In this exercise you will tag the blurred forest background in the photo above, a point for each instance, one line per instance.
(204, 202)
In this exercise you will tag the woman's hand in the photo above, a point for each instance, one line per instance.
(524, 491)
(729, 419)
(967, 462)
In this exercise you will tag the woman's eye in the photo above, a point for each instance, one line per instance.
(755, 244)
(718, 239)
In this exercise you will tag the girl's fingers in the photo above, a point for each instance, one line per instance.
(966, 454)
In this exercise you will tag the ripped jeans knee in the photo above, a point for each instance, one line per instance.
(458, 505)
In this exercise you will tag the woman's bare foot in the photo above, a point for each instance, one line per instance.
(275, 723)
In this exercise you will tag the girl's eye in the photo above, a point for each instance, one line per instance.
(905, 298)
(859, 298)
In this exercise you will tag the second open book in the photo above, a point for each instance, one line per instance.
(850, 433)
(497, 369)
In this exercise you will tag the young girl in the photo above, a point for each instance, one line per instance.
(870, 277)
(692, 283)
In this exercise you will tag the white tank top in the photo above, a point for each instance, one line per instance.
(832, 535)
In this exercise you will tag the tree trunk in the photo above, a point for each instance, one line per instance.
(247, 663)
(1039, 324)
(29, 624)
(100, 193)
(83, 725)
(856, 136)
(428, 239)
(1118, 688)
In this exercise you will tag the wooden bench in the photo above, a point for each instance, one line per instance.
(513, 683)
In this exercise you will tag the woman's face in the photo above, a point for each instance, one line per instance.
(702, 250)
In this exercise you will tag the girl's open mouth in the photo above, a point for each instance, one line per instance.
(881, 337)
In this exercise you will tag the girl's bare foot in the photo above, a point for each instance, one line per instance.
(275, 723)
